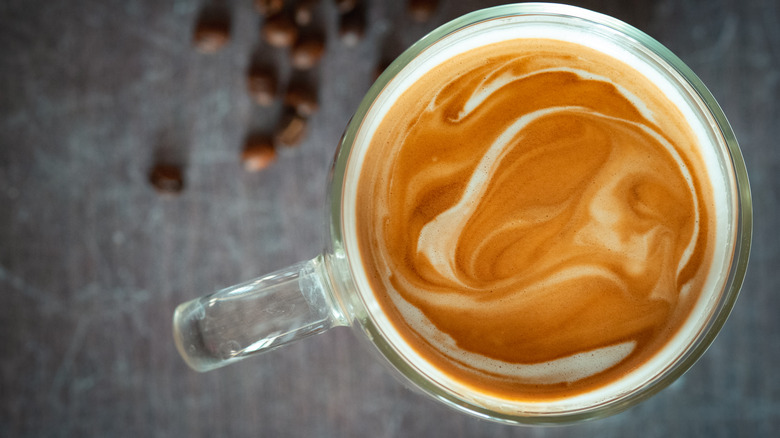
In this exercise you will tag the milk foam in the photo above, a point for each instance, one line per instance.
(436, 250)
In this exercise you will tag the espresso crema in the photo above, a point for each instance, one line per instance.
(535, 219)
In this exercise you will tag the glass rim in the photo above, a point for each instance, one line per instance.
(742, 203)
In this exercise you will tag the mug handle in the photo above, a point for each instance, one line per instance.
(256, 316)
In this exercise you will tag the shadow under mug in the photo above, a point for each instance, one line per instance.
(313, 296)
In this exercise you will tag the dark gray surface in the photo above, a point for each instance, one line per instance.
(93, 262)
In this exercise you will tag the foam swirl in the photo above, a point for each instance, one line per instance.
(542, 227)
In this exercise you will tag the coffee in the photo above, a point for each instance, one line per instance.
(537, 215)
(536, 219)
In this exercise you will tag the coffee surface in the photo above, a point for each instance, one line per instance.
(534, 219)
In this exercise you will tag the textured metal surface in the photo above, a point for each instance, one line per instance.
(93, 261)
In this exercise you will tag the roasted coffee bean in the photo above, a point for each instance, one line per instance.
(345, 6)
(304, 12)
(261, 84)
(421, 10)
(306, 52)
(291, 130)
(167, 179)
(302, 98)
(269, 7)
(280, 31)
(211, 34)
(352, 27)
(258, 153)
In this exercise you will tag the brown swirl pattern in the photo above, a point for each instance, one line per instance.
(542, 227)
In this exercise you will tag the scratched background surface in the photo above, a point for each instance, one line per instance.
(93, 261)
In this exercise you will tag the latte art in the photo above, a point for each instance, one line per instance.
(537, 221)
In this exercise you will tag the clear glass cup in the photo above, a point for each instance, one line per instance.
(315, 295)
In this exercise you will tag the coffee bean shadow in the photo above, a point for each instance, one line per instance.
(170, 152)
(171, 148)
(214, 13)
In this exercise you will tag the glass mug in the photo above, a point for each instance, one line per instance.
(313, 296)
